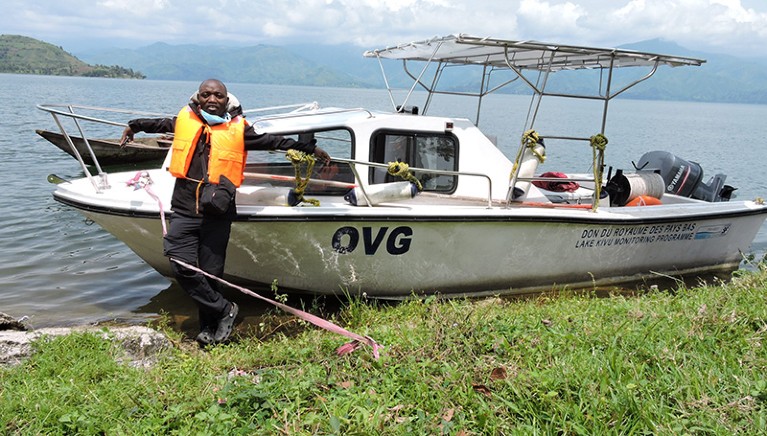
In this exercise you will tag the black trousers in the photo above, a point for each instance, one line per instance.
(200, 241)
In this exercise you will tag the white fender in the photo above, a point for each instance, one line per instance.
(382, 193)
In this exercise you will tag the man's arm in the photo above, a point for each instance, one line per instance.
(148, 125)
(266, 141)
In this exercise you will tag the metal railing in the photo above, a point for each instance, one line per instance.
(75, 113)
(68, 111)
(353, 166)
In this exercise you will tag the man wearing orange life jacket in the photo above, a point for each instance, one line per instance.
(207, 142)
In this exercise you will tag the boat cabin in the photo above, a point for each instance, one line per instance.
(430, 146)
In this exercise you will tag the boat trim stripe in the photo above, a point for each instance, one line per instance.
(446, 218)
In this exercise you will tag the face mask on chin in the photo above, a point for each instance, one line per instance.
(215, 119)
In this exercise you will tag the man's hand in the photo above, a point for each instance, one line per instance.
(322, 155)
(126, 137)
(328, 172)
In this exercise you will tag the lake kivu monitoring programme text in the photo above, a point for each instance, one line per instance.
(627, 235)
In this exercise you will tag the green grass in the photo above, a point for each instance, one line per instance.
(692, 361)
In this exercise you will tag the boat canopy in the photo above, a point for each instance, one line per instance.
(519, 57)
(463, 49)
(525, 59)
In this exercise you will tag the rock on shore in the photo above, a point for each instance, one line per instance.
(142, 345)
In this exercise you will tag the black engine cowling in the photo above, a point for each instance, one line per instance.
(685, 178)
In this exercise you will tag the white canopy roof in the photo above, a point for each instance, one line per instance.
(531, 55)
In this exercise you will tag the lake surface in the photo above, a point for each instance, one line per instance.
(58, 269)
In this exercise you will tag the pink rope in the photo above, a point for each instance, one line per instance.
(142, 180)
(357, 340)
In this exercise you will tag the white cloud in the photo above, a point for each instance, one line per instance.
(723, 25)
(134, 7)
(547, 17)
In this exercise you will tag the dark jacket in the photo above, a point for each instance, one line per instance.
(184, 192)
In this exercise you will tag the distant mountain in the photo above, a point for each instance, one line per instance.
(257, 64)
(722, 78)
(24, 55)
(342, 57)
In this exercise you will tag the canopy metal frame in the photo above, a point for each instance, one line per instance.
(519, 57)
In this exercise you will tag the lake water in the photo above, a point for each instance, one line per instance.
(58, 269)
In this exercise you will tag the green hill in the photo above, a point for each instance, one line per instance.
(24, 55)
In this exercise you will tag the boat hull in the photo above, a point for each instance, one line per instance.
(497, 252)
(109, 152)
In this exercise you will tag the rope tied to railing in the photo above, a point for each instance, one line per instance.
(598, 146)
(301, 160)
(599, 141)
(530, 140)
(401, 169)
(142, 180)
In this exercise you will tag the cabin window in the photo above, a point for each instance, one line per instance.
(273, 169)
(430, 151)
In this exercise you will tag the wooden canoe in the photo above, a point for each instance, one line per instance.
(145, 150)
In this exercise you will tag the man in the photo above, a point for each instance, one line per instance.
(200, 237)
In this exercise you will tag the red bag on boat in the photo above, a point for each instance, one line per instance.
(556, 186)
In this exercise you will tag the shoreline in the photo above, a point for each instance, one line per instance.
(141, 345)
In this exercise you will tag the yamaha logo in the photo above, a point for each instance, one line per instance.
(675, 180)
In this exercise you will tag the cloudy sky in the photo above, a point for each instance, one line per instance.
(727, 26)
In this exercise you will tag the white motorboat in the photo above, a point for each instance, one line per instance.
(482, 222)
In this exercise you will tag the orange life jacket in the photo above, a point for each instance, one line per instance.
(227, 151)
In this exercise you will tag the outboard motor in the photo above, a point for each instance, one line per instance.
(685, 178)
